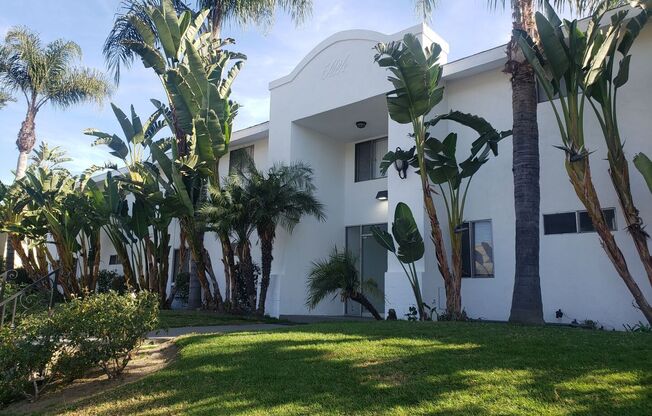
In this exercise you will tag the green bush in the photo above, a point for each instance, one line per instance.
(110, 280)
(105, 329)
(100, 330)
(26, 357)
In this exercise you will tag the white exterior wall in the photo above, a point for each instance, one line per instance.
(576, 275)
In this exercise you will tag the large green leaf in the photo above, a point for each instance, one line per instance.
(552, 47)
(384, 238)
(644, 165)
(406, 233)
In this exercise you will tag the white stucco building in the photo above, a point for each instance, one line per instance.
(313, 116)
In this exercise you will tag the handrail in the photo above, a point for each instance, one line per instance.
(21, 293)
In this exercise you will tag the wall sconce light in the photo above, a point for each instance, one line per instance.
(381, 196)
(401, 162)
(361, 124)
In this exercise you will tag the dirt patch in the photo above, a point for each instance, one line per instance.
(150, 358)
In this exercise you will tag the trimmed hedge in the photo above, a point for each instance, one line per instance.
(101, 330)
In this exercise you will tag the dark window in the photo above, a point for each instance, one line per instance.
(477, 249)
(113, 259)
(240, 159)
(368, 156)
(575, 222)
(586, 225)
(563, 223)
(9, 262)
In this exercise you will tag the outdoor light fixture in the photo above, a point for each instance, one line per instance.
(381, 196)
(401, 163)
(361, 124)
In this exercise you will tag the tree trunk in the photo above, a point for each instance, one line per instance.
(453, 295)
(619, 173)
(228, 260)
(247, 273)
(527, 306)
(362, 300)
(266, 237)
(25, 141)
(579, 173)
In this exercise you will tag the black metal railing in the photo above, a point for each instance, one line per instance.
(40, 293)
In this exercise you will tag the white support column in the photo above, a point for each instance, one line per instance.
(398, 292)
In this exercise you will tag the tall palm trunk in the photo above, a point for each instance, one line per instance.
(266, 236)
(247, 273)
(25, 141)
(527, 306)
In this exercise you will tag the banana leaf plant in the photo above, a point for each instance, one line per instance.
(26, 238)
(406, 244)
(197, 73)
(139, 231)
(416, 76)
(62, 208)
(576, 68)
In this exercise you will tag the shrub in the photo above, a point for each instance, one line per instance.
(110, 280)
(100, 330)
(105, 329)
(26, 355)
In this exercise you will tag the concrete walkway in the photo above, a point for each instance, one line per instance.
(171, 333)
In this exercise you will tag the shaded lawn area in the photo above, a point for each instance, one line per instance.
(397, 368)
(181, 318)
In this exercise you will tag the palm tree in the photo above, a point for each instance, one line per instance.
(246, 12)
(243, 12)
(338, 275)
(45, 74)
(280, 196)
(228, 213)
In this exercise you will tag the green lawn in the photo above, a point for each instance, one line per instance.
(397, 368)
(180, 318)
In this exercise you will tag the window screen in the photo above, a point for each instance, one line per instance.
(368, 156)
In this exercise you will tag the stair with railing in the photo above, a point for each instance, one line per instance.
(40, 293)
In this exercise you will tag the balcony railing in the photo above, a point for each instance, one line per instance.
(38, 294)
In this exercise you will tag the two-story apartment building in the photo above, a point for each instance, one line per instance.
(331, 113)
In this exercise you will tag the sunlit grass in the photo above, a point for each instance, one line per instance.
(396, 368)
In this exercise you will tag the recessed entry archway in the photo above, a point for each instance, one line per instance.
(340, 123)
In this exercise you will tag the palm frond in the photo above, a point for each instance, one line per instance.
(335, 275)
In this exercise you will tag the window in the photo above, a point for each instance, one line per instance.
(543, 97)
(368, 156)
(9, 262)
(575, 222)
(240, 159)
(563, 223)
(477, 249)
(113, 259)
(586, 225)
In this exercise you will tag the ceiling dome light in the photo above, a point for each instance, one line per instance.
(361, 124)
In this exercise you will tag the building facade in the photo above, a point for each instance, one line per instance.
(331, 113)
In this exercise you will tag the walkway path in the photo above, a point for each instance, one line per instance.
(167, 334)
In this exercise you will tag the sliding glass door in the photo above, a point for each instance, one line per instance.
(371, 264)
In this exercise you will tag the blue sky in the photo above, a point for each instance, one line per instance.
(272, 53)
